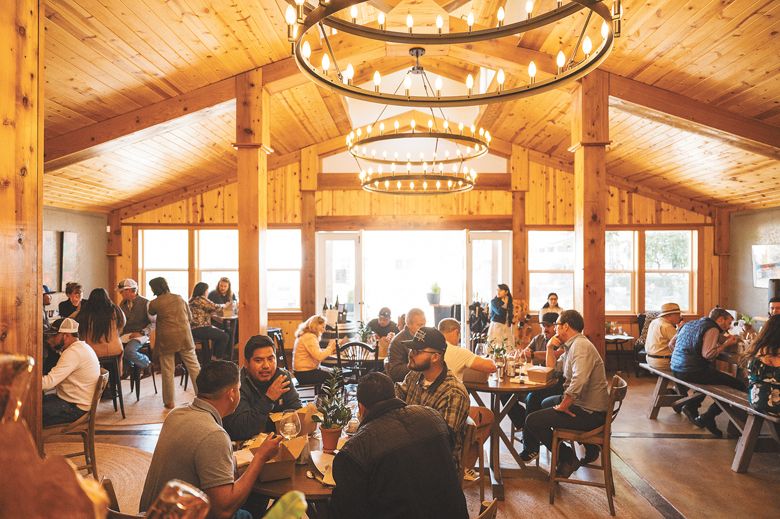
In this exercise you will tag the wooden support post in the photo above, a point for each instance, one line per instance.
(722, 249)
(21, 195)
(519, 182)
(310, 166)
(114, 253)
(252, 142)
(590, 135)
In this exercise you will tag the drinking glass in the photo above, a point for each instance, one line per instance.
(179, 500)
(480, 349)
(15, 375)
(290, 425)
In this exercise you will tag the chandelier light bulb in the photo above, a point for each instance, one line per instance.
(437, 85)
(411, 184)
(500, 78)
(446, 125)
(289, 15)
(396, 126)
(425, 184)
(398, 185)
(392, 167)
(381, 19)
(412, 123)
(325, 64)
(500, 16)
(604, 30)
(353, 12)
(438, 184)
(560, 60)
(369, 128)
(387, 184)
(529, 7)
(408, 167)
(300, 13)
(349, 74)
(470, 20)
(460, 128)
(430, 125)
(409, 22)
(377, 81)
(473, 130)
(469, 83)
(441, 167)
(532, 71)
(382, 130)
(439, 23)
(587, 46)
(407, 85)
(306, 50)
(359, 132)
(487, 136)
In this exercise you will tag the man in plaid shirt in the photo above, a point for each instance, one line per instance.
(431, 384)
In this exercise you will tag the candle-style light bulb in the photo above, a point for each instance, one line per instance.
(439, 23)
(325, 63)
(560, 60)
(469, 83)
(396, 126)
(500, 78)
(299, 5)
(381, 19)
(470, 20)
(604, 30)
(460, 128)
(437, 86)
(529, 7)
(413, 123)
(587, 46)
(407, 85)
(532, 72)
(289, 15)
(306, 50)
(381, 128)
(377, 81)
(409, 22)
(446, 125)
(430, 125)
(500, 15)
(353, 12)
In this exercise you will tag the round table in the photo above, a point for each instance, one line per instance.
(496, 388)
(618, 341)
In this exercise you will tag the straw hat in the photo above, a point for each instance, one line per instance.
(669, 308)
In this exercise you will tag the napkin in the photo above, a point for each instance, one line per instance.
(324, 463)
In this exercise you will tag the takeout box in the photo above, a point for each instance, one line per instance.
(540, 374)
(305, 414)
(474, 376)
(281, 466)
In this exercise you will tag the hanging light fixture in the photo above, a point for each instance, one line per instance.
(587, 54)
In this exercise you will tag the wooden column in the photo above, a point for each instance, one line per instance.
(590, 135)
(519, 182)
(310, 166)
(21, 190)
(253, 145)
(722, 249)
(114, 253)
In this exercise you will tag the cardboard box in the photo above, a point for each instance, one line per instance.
(540, 374)
(474, 376)
(305, 413)
(281, 466)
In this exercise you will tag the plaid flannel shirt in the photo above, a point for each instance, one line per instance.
(447, 395)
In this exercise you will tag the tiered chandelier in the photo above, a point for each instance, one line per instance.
(415, 175)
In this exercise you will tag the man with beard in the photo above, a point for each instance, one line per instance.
(430, 383)
(265, 388)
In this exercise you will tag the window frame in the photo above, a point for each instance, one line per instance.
(692, 271)
(633, 272)
(545, 228)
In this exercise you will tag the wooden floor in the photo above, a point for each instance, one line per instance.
(663, 468)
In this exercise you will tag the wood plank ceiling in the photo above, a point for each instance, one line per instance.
(110, 57)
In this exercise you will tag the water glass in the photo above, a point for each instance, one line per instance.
(290, 425)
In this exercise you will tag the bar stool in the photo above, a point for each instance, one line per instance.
(135, 375)
(111, 364)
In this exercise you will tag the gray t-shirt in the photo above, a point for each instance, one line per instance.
(192, 447)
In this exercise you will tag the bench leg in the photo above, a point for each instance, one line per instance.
(747, 443)
(660, 390)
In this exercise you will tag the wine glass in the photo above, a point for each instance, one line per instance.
(480, 349)
(290, 425)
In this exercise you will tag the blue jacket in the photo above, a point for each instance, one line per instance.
(499, 314)
(687, 357)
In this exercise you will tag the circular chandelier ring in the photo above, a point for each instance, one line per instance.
(456, 184)
(480, 145)
(566, 75)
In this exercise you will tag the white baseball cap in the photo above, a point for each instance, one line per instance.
(66, 325)
(128, 283)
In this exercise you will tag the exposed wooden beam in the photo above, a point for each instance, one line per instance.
(662, 196)
(88, 142)
(422, 222)
(683, 112)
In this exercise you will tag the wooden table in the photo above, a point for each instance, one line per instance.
(498, 387)
(618, 341)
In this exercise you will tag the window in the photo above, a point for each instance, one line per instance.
(669, 272)
(551, 267)
(620, 271)
(284, 269)
(164, 253)
(339, 271)
(491, 254)
(218, 257)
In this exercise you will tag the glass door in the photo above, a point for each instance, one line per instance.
(339, 272)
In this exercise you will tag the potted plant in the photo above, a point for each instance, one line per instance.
(334, 412)
(364, 332)
(434, 295)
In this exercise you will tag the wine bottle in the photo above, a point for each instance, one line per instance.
(325, 306)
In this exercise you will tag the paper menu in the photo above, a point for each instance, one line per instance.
(324, 463)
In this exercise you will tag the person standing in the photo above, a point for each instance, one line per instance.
(74, 376)
(398, 462)
(73, 304)
(100, 321)
(550, 306)
(202, 309)
(501, 313)
(138, 324)
(173, 336)
(397, 361)
(307, 354)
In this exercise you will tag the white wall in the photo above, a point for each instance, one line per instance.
(91, 229)
(748, 229)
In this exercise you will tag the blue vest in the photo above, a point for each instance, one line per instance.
(687, 356)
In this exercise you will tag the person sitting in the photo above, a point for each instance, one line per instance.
(694, 349)
(265, 389)
(763, 366)
(202, 308)
(550, 306)
(501, 314)
(46, 302)
(50, 356)
(71, 306)
(457, 358)
(774, 306)
(194, 447)
(659, 333)
(397, 464)
(74, 376)
(583, 404)
(397, 364)
(138, 324)
(307, 354)
(431, 383)
(223, 294)
(100, 321)
(382, 326)
(536, 350)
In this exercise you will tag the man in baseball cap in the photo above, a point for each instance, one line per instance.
(138, 326)
(429, 382)
(74, 376)
(383, 326)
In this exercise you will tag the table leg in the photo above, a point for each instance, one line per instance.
(495, 448)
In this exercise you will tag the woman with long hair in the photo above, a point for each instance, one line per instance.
(501, 313)
(173, 336)
(74, 303)
(763, 365)
(202, 309)
(307, 354)
(100, 323)
(223, 294)
(550, 306)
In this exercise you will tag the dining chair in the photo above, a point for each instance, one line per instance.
(277, 336)
(113, 503)
(356, 358)
(600, 436)
(478, 425)
(137, 374)
(489, 510)
(84, 427)
(112, 364)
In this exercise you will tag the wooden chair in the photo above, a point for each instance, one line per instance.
(359, 357)
(477, 432)
(113, 504)
(112, 364)
(599, 436)
(489, 510)
(84, 427)
(277, 336)
(306, 392)
(136, 375)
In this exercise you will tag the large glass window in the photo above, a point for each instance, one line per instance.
(620, 271)
(164, 253)
(490, 263)
(338, 271)
(284, 269)
(551, 267)
(669, 272)
(218, 257)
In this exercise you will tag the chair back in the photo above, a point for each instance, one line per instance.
(277, 336)
(108, 486)
(483, 419)
(102, 382)
(490, 510)
(478, 427)
(618, 388)
(357, 351)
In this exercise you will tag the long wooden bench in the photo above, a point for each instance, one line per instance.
(727, 399)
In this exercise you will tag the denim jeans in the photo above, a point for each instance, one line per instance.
(57, 411)
(533, 402)
(133, 357)
(541, 423)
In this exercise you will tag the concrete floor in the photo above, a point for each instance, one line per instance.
(663, 468)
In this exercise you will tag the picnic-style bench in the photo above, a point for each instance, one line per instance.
(727, 399)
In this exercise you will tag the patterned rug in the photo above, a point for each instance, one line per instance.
(148, 409)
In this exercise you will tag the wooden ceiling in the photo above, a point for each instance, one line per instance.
(709, 130)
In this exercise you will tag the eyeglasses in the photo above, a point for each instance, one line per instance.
(415, 352)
